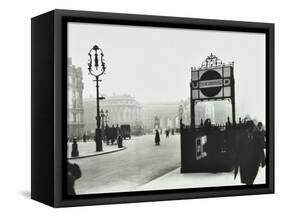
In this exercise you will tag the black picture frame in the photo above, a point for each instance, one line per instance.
(48, 70)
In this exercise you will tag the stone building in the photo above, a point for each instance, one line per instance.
(75, 111)
(122, 109)
(160, 114)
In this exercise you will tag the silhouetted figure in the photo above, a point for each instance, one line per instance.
(113, 134)
(208, 123)
(74, 152)
(240, 121)
(167, 133)
(248, 154)
(120, 141)
(173, 131)
(157, 138)
(107, 134)
(228, 123)
(261, 142)
(84, 138)
(118, 131)
(73, 173)
(201, 123)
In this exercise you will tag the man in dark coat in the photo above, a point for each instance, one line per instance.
(84, 138)
(107, 134)
(157, 138)
(248, 154)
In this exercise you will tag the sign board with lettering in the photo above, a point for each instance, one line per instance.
(213, 80)
(212, 83)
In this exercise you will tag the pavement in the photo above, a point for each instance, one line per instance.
(140, 163)
(142, 166)
(88, 149)
(177, 180)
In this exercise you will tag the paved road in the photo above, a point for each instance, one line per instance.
(127, 170)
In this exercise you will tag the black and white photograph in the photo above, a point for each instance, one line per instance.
(154, 108)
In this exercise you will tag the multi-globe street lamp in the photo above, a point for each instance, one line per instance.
(96, 67)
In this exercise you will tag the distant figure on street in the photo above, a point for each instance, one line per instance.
(73, 173)
(167, 133)
(113, 134)
(120, 141)
(157, 138)
(249, 156)
(107, 134)
(118, 131)
(84, 138)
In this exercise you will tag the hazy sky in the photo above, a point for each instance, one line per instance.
(153, 64)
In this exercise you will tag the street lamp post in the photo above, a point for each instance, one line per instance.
(96, 57)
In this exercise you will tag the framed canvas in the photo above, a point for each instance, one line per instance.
(134, 108)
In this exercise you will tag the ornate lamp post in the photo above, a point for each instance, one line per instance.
(96, 57)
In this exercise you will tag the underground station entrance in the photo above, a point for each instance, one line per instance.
(207, 147)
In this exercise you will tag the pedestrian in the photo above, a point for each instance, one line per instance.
(261, 142)
(118, 131)
(120, 141)
(157, 138)
(84, 137)
(167, 133)
(248, 154)
(73, 173)
(112, 134)
(107, 134)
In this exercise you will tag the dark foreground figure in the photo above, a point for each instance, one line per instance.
(157, 138)
(250, 153)
(73, 173)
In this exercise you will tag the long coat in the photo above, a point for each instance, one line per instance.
(249, 156)
(157, 138)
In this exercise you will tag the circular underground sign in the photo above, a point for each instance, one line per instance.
(210, 83)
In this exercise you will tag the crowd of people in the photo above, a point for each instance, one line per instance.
(250, 153)
(112, 134)
(109, 135)
(249, 143)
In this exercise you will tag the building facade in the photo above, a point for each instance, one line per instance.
(159, 115)
(122, 109)
(75, 111)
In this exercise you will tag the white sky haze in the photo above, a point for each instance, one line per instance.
(153, 64)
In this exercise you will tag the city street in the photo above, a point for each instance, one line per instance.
(144, 166)
(126, 170)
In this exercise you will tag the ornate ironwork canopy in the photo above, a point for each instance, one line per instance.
(211, 61)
